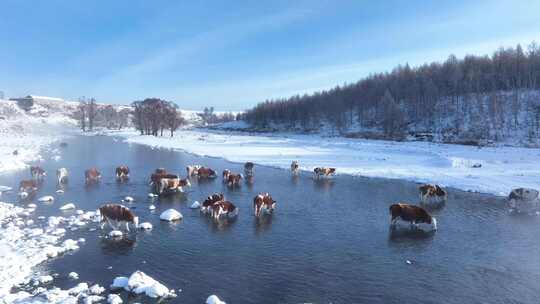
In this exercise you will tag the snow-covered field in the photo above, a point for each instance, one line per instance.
(494, 170)
(24, 134)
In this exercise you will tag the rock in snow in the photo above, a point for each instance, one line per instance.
(128, 199)
(114, 299)
(145, 226)
(46, 198)
(68, 206)
(73, 275)
(170, 215)
(45, 279)
(119, 283)
(213, 299)
(195, 205)
(152, 207)
(140, 283)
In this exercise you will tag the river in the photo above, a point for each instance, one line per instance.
(327, 242)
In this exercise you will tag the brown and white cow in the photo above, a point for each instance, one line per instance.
(263, 202)
(322, 171)
(224, 208)
(524, 200)
(28, 186)
(193, 170)
(233, 180)
(295, 168)
(211, 200)
(172, 185)
(205, 172)
(412, 214)
(248, 169)
(432, 194)
(37, 172)
(119, 214)
(122, 172)
(92, 175)
(160, 173)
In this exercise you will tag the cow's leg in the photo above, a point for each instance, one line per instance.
(109, 222)
(127, 226)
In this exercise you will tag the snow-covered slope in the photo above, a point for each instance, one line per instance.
(24, 134)
(494, 170)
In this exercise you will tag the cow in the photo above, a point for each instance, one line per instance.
(122, 172)
(223, 208)
(263, 201)
(226, 174)
(171, 184)
(119, 214)
(295, 167)
(62, 175)
(322, 171)
(193, 170)
(413, 214)
(37, 172)
(432, 194)
(524, 200)
(210, 200)
(92, 175)
(160, 173)
(233, 179)
(248, 169)
(28, 186)
(205, 172)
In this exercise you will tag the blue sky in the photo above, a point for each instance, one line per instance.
(234, 54)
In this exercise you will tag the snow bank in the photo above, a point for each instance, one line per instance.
(502, 168)
(23, 247)
(170, 215)
(24, 134)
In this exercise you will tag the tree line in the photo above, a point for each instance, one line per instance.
(153, 115)
(420, 98)
(90, 114)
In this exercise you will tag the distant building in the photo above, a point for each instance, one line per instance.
(27, 102)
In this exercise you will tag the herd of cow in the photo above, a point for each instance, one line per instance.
(521, 200)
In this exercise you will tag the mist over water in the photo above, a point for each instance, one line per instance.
(327, 242)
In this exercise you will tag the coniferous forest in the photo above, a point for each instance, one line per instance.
(460, 100)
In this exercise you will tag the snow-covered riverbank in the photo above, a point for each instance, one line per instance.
(494, 170)
(25, 134)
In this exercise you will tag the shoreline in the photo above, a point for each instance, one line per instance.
(500, 170)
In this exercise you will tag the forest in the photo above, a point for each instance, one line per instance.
(472, 98)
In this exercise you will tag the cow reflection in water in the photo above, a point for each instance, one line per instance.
(263, 224)
(118, 246)
(323, 184)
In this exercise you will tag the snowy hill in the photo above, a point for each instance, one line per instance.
(25, 133)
